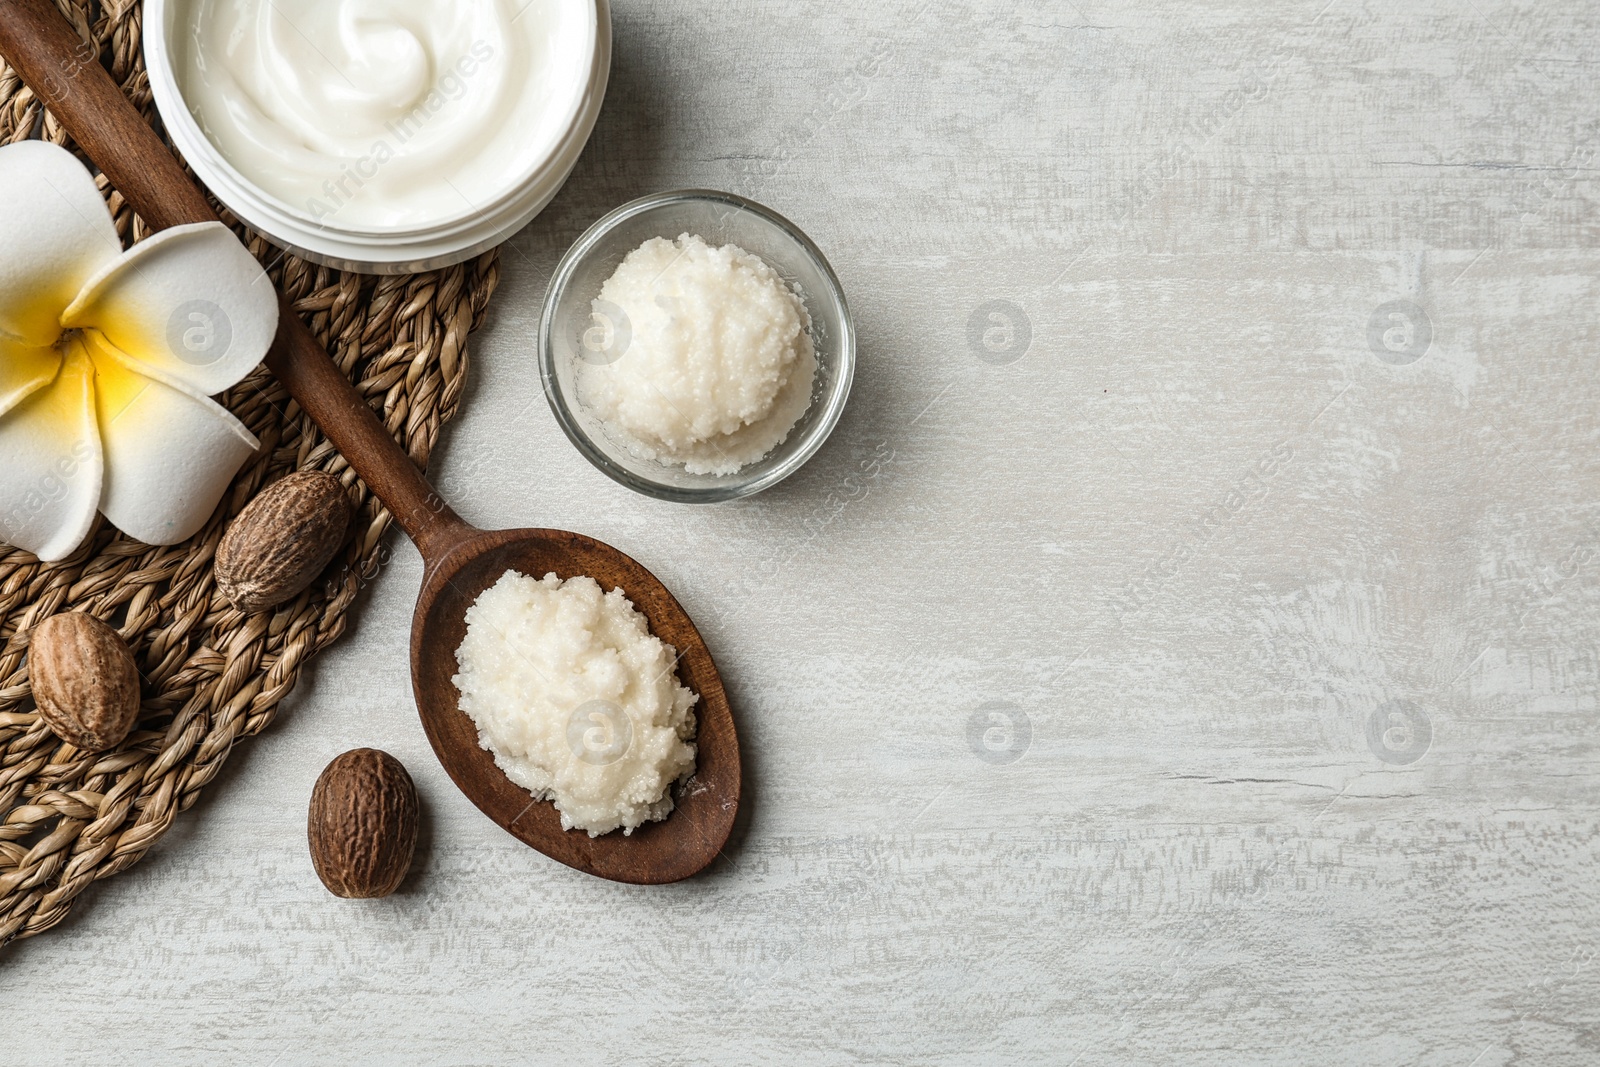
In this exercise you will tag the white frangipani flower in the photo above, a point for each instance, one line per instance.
(107, 360)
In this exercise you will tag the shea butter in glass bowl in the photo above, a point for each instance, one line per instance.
(571, 318)
(381, 136)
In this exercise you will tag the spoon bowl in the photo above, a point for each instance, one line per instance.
(690, 837)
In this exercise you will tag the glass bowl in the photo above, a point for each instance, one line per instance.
(566, 335)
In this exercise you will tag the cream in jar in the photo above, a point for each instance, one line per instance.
(383, 114)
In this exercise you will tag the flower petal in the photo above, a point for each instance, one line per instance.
(50, 480)
(24, 370)
(55, 234)
(190, 303)
(170, 453)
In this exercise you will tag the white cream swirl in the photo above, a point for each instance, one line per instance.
(384, 114)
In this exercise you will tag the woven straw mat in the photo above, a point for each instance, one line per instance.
(211, 673)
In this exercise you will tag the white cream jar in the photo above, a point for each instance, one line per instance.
(384, 136)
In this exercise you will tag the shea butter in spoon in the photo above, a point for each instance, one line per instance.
(579, 703)
(701, 357)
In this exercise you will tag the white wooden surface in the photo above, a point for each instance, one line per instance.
(1183, 549)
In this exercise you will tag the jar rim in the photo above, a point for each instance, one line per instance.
(450, 238)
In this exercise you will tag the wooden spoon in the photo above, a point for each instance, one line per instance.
(460, 561)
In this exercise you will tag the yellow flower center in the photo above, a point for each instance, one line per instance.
(115, 386)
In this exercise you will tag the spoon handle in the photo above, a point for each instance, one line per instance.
(65, 73)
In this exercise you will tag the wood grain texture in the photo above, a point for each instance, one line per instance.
(1204, 853)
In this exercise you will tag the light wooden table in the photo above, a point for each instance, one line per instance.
(1185, 651)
